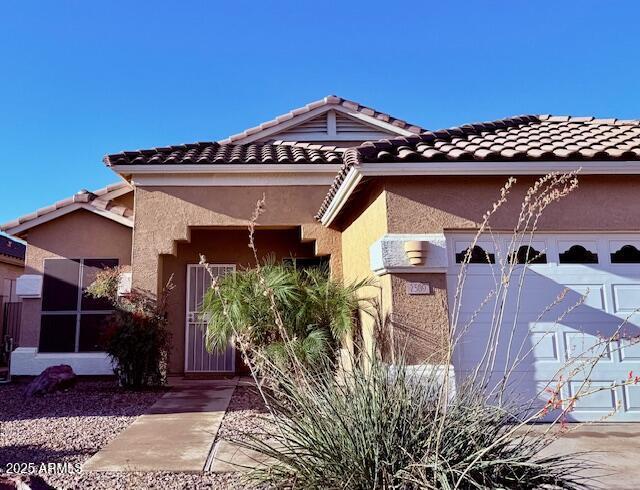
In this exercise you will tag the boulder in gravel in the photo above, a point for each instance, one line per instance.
(23, 483)
(52, 379)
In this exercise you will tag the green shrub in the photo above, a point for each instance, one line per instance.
(136, 339)
(275, 310)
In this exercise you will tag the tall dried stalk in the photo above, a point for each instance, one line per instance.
(303, 438)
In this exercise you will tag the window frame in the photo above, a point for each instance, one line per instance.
(78, 312)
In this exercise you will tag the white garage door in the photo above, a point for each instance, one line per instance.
(598, 277)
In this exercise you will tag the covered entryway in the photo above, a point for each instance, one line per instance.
(197, 358)
(582, 288)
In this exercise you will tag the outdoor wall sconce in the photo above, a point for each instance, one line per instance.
(416, 251)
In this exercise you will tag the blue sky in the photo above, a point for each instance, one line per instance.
(81, 79)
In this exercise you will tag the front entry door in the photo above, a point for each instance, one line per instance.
(197, 359)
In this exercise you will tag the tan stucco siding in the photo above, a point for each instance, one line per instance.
(435, 204)
(81, 234)
(221, 246)
(9, 270)
(358, 235)
(432, 204)
(165, 215)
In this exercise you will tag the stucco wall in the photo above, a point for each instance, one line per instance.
(9, 270)
(81, 234)
(363, 224)
(434, 204)
(431, 204)
(222, 247)
(165, 216)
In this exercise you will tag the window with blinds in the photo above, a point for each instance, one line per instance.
(71, 320)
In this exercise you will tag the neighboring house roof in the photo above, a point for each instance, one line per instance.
(331, 119)
(216, 153)
(99, 202)
(515, 139)
(12, 248)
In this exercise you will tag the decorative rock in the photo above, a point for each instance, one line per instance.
(23, 483)
(54, 378)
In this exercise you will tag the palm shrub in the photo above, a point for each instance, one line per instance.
(281, 313)
(136, 338)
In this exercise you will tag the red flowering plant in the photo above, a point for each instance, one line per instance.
(136, 335)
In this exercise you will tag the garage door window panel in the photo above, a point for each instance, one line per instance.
(477, 255)
(577, 254)
(627, 254)
(528, 255)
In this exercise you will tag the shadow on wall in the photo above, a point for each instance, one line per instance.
(546, 346)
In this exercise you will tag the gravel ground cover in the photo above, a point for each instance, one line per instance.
(69, 427)
(246, 413)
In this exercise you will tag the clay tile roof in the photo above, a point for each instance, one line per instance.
(12, 248)
(326, 101)
(99, 200)
(519, 138)
(216, 153)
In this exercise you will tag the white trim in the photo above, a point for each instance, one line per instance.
(208, 180)
(331, 123)
(231, 168)
(231, 175)
(108, 196)
(405, 169)
(301, 118)
(26, 361)
(66, 210)
(372, 121)
(279, 127)
(499, 168)
(350, 182)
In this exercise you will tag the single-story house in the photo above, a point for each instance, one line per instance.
(351, 185)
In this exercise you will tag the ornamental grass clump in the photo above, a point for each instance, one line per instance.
(376, 423)
(136, 337)
(378, 426)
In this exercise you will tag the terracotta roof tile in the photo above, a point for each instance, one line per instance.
(520, 138)
(100, 199)
(216, 153)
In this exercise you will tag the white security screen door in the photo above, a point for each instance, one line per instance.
(197, 359)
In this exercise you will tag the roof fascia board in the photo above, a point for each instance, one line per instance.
(374, 134)
(499, 168)
(116, 193)
(372, 121)
(404, 169)
(281, 126)
(231, 168)
(63, 211)
(233, 180)
(350, 182)
(301, 118)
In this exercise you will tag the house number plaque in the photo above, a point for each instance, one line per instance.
(418, 288)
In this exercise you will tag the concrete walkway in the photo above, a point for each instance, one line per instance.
(176, 434)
